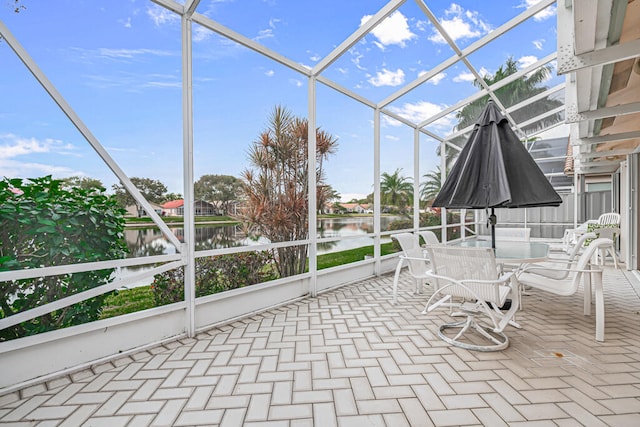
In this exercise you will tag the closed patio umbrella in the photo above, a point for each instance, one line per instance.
(495, 170)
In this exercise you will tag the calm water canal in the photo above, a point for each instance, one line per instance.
(150, 241)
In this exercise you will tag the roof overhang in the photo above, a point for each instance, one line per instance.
(601, 59)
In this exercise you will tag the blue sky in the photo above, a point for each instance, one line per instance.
(118, 65)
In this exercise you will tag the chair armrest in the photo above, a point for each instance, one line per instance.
(533, 268)
(502, 279)
(414, 258)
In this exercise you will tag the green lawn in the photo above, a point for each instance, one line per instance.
(141, 298)
(128, 301)
(350, 255)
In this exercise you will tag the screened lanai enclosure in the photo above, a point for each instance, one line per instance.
(203, 119)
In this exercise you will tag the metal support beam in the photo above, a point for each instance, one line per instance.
(189, 250)
(416, 179)
(312, 189)
(608, 55)
(377, 199)
(609, 138)
(601, 113)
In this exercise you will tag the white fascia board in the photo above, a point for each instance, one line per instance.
(584, 26)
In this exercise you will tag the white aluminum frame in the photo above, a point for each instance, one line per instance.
(262, 296)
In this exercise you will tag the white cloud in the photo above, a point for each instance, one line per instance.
(160, 16)
(356, 56)
(13, 147)
(201, 33)
(417, 112)
(460, 24)
(468, 75)
(525, 61)
(296, 82)
(265, 34)
(435, 80)
(269, 73)
(388, 78)
(133, 81)
(464, 77)
(545, 13)
(122, 54)
(273, 22)
(392, 30)
(347, 197)
(158, 84)
(17, 169)
(538, 43)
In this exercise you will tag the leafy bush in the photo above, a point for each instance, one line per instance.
(44, 223)
(215, 274)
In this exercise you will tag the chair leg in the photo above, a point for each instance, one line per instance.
(599, 306)
(396, 277)
(612, 250)
(586, 280)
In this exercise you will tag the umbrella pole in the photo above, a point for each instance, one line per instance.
(492, 222)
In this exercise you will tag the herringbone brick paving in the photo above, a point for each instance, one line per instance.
(351, 358)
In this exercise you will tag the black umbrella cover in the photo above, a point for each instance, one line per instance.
(495, 170)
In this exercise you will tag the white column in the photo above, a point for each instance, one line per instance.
(313, 208)
(188, 251)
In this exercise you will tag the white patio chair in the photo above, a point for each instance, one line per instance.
(559, 268)
(472, 275)
(610, 218)
(608, 233)
(412, 256)
(429, 237)
(535, 277)
(571, 235)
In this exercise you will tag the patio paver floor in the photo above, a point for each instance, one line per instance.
(350, 358)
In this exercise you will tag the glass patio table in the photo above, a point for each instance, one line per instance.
(511, 252)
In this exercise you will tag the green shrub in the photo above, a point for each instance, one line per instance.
(42, 224)
(215, 274)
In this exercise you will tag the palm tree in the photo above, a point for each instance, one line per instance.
(430, 187)
(276, 186)
(510, 94)
(517, 91)
(396, 190)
